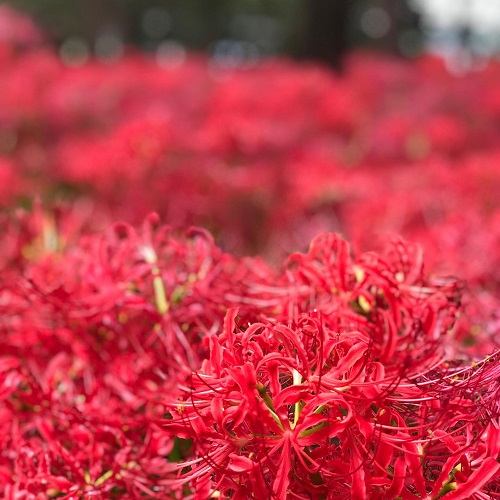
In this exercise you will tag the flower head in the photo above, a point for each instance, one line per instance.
(354, 399)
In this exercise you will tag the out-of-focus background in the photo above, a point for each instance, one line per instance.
(244, 30)
(264, 121)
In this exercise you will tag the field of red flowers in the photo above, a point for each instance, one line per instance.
(262, 281)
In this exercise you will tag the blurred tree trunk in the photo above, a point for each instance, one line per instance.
(326, 31)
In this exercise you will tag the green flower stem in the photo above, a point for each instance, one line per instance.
(159, 287)
(312, 430)
(261, 389)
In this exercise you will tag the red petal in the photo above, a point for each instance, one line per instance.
(398, 480)
(358, 487)
(238, 463)
(280, 485)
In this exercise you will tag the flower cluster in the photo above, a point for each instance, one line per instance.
(334, 375)
(143, 360)
(354, 396)
(267, 156)
(94, 330)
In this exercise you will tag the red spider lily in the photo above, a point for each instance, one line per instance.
(261, 169)
(351, 375)
(345, 401)
(307, 412)
(388, 298)
(93, 333)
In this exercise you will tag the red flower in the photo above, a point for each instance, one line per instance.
(346, 401)
(301, 411)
